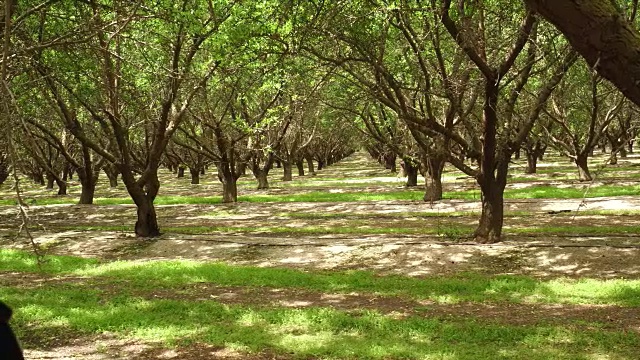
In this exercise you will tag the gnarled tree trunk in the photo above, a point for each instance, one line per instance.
(434, 167)
(583, 167)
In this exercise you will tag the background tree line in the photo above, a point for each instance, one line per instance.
(124, 88)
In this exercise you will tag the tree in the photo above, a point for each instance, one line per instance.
(118, 76)
(600, 32)
(378, 48)
(581, 115)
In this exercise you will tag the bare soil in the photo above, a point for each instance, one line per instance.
(562, 255)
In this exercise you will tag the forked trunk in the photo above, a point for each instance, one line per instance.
(229, 184)
(143, 195)
(147, 223)
(583, 168)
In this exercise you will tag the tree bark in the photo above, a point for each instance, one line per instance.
(288, 170)
(411, 170)
(300, 166)
(310, 165)
(229, 180)
(261, 177)
(583, 167)
(112, 174)
(195, 176)
(181, 171)
(601, 34)
(50, 181)
(489, 229)
(532, 162)
(143, 193)
(493, 172)
(147, 223)
(62, 186)
(87, 193)
(433, 180)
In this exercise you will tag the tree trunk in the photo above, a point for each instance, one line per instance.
(38, 178)
(493, 171)
(300, 166)
(195, 176)
(87, 193)
(320, 165)
(310, 166)
(62, 186)
(583, 168)
(623, 151)
(50, 181)
(88, 180)
(411, 170)
(181, 171)
(261, 177)
(229, 183)
(147, 223)
(390, 162)
(112, 174)
(532, 162)
(288, 170)
(489, 229)
(433, 181)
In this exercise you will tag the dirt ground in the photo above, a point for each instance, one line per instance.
(566, 255)
(542, 256)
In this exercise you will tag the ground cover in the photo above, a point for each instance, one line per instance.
(368, 272)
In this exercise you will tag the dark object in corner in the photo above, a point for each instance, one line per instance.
(9, 347)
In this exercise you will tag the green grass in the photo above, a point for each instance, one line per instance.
(534, 192)
(115, 297)
(453, 289)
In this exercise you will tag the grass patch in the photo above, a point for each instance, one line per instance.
(459, 288)
(533, 192)
(311, 332)
(53, 310)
